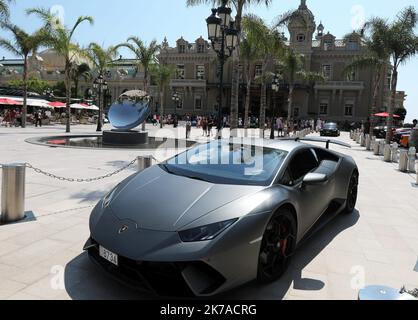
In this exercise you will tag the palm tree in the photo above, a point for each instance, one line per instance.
(5, 10)
(239, 5)
(293, 67)
(101, 58)
(377, 59)
(146, 56)
(81, 71)
(249, 54)
(61, 40)
(269, 44)
(23, 44)
(401, 43)
(161, 75)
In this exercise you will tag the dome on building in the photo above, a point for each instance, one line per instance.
(304, 10)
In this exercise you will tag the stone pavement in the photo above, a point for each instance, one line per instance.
(42, 258)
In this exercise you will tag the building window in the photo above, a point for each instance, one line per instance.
(200, 72)
(327, 71)
(348, 109)
(351, 76)
(352, 45)
(200, 48)
(198, 102)
(296, 112)
(323, 108)
(180, 72)
(258, 70)
(182, 48)
(328, 44)
(300, 37)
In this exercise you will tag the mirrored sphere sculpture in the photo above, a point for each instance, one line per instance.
(127, 114)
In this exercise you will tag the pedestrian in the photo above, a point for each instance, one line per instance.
(204, 127)
(188, 127)
(38, 119)
(210, 126)
(280, 127)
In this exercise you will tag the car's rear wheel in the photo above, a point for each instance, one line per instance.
(352, 194)
(277, 247)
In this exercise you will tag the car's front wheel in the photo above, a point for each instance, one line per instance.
(277, 247)
(352, 194)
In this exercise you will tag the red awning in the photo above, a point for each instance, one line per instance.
(385, 115)
(57, 104)
(8, 101)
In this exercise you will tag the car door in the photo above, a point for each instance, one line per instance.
(312, 199)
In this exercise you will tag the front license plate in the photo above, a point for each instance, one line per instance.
(109, 256)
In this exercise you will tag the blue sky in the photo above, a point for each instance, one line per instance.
(116, 20)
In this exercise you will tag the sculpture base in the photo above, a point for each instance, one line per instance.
(125, 138)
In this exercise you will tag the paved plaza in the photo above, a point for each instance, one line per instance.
(42, 258)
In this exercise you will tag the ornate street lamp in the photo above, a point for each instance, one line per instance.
(177, 99)
(100, 87)
(224, 39)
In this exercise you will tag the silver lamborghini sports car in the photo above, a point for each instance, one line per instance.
(219, 215)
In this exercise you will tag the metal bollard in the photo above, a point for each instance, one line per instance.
(144, 162)
(395, 149)
(412, 157)
(403, 161)
(358, 138)
(13, 193)
(417, 174)
(368, 142)
(362, 140)
(355, 136)
(372, 144)
(376, 146)
(387, 153)
(382, 147)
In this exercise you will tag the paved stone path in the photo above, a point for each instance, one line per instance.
(43, 259)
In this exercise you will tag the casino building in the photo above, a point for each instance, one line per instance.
(340, 98)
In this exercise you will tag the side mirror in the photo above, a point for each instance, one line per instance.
(314, 178)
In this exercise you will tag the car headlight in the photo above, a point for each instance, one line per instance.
(206, 233)
(109, 197)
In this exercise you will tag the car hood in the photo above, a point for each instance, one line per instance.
(157, 200)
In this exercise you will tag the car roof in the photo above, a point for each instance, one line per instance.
(285, 145)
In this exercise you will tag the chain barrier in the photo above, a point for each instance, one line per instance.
(53, 176)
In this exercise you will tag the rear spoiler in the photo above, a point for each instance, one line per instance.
(317, 139)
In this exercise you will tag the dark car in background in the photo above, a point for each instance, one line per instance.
(330, 130)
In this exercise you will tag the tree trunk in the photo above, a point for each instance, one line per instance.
(162, 109)
(262, 121)
(146, 90)
(233, 121)
(68, 95)
(389, 133)
(290, 107)
(374, 103)
(76, 88)
(235, 96)
(248, 97)
(25, 92)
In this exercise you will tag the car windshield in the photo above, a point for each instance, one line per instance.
(222, 162)
(330, 126)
